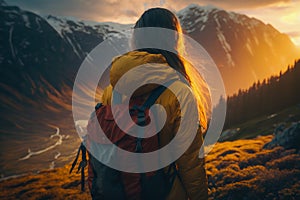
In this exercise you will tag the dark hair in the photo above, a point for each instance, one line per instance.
(162, 18)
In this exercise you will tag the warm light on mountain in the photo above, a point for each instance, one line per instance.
(245, 49)
(284, 16)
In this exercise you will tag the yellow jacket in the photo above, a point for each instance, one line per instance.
(192, 183)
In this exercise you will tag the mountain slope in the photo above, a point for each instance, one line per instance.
(37, 69)
(245, 49)
(33, 53)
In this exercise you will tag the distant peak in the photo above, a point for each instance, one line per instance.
(192, 7)
(208, 7)
(50, 16)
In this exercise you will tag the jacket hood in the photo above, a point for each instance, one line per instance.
(139, 68)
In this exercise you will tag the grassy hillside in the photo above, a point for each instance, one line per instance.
(264, 125)
(240, 169)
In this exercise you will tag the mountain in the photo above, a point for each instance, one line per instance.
(245, 49)
(32, 50)
(37, 66)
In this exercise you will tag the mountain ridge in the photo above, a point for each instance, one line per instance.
(240, 45)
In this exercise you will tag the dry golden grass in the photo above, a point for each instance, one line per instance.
(236, 170)
(244, 170)
(49, 184)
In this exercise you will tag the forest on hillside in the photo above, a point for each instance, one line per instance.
(265, 97)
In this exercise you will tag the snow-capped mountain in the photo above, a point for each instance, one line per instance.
(83, 36)
(245, 49)
(33, 56)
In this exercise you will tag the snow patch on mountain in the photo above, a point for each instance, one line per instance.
(69, 25)
(73, 31)
(200, 15)
(225, 46)
(196, 9)
(249, 48)
(26, 20)
(223, 41)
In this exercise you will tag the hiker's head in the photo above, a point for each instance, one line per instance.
(160, 18)
(163, 18)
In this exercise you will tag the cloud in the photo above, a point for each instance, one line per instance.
(227, 4)
(97, 10)
(238, 4)
(130, 13)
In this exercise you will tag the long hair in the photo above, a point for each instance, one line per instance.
(163, 18)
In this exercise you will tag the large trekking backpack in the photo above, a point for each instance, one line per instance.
(108, 183)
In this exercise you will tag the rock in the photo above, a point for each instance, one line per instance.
(288, 138)
(227, 134)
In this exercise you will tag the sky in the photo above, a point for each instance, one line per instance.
(284, 15)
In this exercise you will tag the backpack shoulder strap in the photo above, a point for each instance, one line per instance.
(155, 94)
(148, 103)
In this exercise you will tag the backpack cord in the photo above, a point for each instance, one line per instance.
(75, 161)
(81, 165)
(83, 162)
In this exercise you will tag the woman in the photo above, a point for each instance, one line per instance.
(191, 181)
